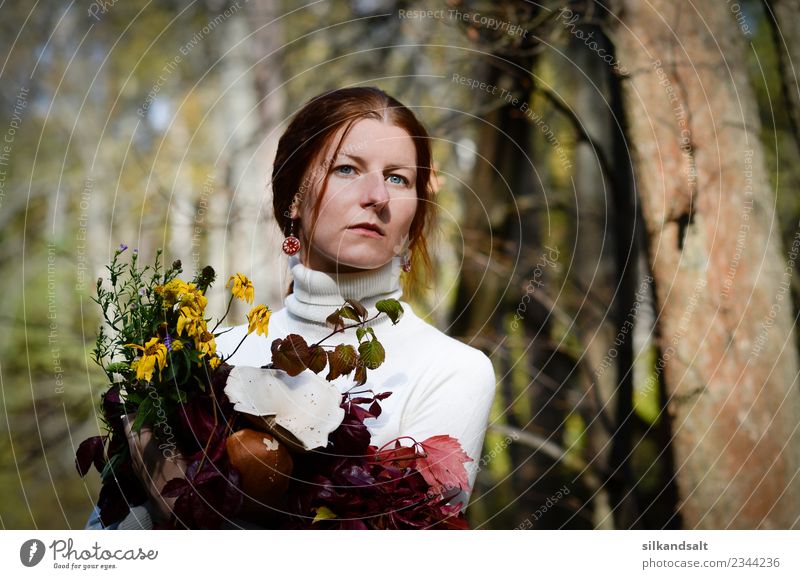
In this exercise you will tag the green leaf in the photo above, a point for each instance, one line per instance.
(113, 465)
(177, 395)
(134, 397)
(391, 307)
(359, 309)
(168, 375)
(349, 313)
(119, 367)
(143, 414)
(360, 333)
(372, 353)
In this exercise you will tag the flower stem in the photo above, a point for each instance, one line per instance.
(228, 309)
(213, 431)
(229, 356)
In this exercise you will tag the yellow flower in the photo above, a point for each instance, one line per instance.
(194, 298)
(188, 294)
(172, 291)
(242, 288)
(176, 345)
(258, 319)
(214, 362)
(191, 321)
(154, 353)
(205, 343)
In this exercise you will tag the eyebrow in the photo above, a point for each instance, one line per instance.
(358, 159)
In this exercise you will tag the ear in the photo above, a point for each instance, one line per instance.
(294, 210)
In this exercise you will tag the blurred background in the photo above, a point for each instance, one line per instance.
(618, 230)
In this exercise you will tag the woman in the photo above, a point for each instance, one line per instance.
(352, 190)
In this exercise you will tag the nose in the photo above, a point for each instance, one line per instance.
(374, 193)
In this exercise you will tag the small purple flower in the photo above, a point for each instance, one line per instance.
(135, 250)
(168, 342)
(141, 291)
(123, 247)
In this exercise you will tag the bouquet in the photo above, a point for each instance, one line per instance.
(277, 446)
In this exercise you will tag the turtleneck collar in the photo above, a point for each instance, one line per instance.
(316, 294)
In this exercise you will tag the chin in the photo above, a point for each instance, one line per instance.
(362, 260)
(354, 258)
(365, 264)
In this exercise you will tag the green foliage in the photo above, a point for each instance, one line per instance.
(132, 310)
(371, 353)
(154, 343)
(391, 308)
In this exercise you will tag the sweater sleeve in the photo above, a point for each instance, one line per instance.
(456, 401)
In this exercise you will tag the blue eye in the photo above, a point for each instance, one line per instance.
(400, 180)
(345, 169)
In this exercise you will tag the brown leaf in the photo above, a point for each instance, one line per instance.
(361, 374)
(342, 361)
(290, 354)
(335, 321)
(317, 359)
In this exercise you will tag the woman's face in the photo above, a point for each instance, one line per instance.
(368, 203)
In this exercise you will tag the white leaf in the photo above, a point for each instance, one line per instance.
(301, 410)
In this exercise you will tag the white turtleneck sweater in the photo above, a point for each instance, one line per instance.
(439, 385)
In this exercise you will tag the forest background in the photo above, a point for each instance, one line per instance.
(620, 225)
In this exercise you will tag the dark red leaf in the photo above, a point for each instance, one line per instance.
(91, 451)
(375, 409)
(176, 487)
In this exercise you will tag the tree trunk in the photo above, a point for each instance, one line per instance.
(724, 323)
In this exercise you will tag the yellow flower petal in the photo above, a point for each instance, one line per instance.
(205, 343)
(258, 320)
(154, 353)
(242, 288)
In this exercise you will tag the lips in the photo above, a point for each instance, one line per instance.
(368, 226)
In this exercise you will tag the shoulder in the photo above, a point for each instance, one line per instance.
(446, 357)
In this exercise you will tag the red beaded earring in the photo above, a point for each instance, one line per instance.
(291, 244)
